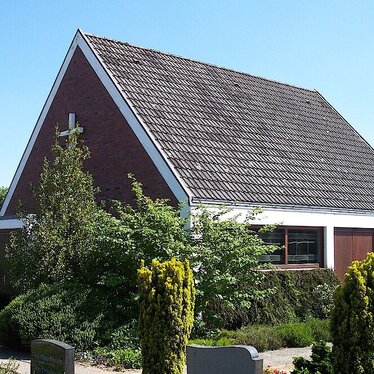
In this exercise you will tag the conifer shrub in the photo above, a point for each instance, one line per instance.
(320, 362)
(352, 320)
(167, 296)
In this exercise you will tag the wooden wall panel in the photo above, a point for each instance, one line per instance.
(351, 245)
(343, 251)
(362, 243)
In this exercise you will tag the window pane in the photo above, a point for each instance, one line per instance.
(275, 238)
(303, 246)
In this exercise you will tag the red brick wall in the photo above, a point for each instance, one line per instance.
(115, 150)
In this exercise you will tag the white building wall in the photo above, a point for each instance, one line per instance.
(328, 219)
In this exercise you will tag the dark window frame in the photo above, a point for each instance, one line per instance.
(292, 265)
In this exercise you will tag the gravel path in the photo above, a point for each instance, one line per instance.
(281, 359)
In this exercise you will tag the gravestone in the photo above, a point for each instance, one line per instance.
(51, 357)
(234, 359)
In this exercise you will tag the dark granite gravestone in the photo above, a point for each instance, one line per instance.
(234, 359)
(51, 357)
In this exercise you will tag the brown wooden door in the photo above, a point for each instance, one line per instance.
(351, 245)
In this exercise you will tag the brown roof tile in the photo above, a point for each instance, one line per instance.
(236, 137)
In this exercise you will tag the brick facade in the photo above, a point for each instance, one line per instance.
(115, 150)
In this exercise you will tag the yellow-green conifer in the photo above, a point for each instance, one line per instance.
(167, 297)
(352, 324)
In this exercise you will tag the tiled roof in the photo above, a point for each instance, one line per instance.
(236, 137)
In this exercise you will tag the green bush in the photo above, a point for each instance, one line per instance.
(262, 337)
(295, 296)
(296, 334)
(320, 329)
(352, 320)
(268, 337)
(320, 363)
(167, 298)
(212, 342)
(225, 258)
(123, 351)
(128, 358)
(56, 241)
(77, 314)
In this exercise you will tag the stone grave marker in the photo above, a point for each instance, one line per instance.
(51, 357)
(237, 359)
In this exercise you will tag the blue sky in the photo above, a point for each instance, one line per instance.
(326, 45)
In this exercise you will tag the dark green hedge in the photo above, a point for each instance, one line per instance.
(76, 314)
(295, 296)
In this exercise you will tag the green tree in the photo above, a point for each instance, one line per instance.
(225, 258)
(352, 320)
(148, 229)
(3, 192)
(58, 238)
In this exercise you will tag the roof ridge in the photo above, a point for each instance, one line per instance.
(201, 62)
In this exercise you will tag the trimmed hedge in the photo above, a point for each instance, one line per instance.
(295, 296)
(76, 314)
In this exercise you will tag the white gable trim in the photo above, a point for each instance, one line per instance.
(10, 224)
(145, 137)
(159, 158)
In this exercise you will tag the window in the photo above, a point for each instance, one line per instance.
(297, 246)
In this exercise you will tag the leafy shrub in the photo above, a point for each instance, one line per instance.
(262, 337)
(77, 314)
(128, 358)
(295, 296)
(268, 337)
(123, 350)
(167, 297)
(352, 320)
(296, 334)
(324, 293)
(224, 255)
(320, 329)
(320, 363)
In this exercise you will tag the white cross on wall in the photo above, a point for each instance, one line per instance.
(72, 126)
